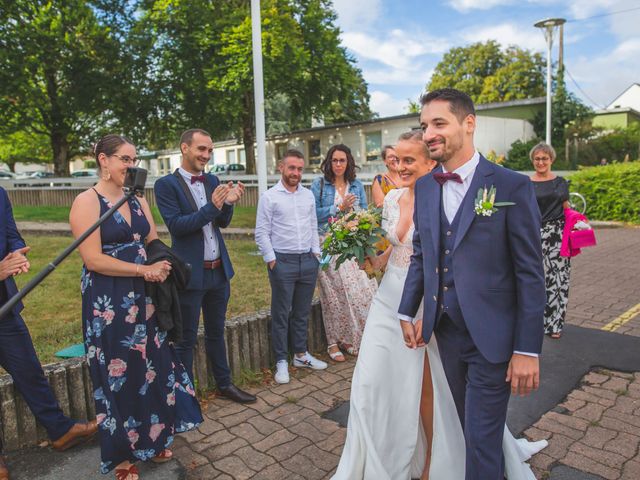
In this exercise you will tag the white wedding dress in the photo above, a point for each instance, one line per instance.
(385, 439)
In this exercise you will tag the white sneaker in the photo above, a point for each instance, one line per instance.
(282, 372)
(309, 361)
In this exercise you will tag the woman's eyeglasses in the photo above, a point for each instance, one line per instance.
(127, 160)
(338, 161)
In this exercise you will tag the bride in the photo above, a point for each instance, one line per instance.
(402, 421)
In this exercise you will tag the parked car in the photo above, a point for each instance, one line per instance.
(7, 175)
(32, 174)
(85, 172)
(232, 168)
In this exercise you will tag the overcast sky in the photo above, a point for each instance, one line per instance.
(398, 43)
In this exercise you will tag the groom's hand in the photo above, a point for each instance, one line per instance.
(409, 334)
(524, 374)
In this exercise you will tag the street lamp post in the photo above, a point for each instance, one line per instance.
(258, 95)
(548, 25)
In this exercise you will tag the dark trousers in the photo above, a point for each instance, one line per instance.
(481, 396)
(212, 301)
(18, 358)
(293, 281)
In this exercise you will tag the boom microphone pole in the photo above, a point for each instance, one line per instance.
(134, 182)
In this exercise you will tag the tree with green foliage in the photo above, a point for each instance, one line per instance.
(60, 65)
(205, 51)
(489, 73)
(24, 147)
(569, 116)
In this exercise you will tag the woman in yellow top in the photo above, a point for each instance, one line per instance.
(388, 181)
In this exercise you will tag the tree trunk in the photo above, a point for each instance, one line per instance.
(59, 137)
(248, 136)
(60, 147)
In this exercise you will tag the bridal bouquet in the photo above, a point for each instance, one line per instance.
(352, 235)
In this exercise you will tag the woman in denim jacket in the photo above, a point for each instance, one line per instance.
(346, 293)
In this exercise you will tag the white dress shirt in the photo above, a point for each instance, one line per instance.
(286, 222)
(453, 192)
(452, 195)
(211, 247)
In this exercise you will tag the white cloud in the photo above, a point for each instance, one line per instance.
(467, 5)
(509, 34)
(604, 77)
(357, 14)
(386, 105)
(415, 76)
(398, 49)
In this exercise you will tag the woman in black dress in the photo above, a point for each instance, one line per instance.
(552, 193)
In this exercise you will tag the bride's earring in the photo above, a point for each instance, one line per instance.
(106, 175)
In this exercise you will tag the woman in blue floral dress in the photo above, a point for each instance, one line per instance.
(143, 394)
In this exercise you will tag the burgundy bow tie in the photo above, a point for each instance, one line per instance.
(442, 177)
(197, 178)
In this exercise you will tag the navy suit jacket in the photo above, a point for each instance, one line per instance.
(10, 241)
(497, 264)
(185, 221)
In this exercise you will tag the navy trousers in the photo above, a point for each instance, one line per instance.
(481, 396)
(18, 358)
(212, 300)
(293, 281)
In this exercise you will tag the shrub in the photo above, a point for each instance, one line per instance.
(612, 192)
(90, 164)
(518, 155)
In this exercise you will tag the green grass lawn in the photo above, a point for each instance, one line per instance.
(243, 217)
(53, 310)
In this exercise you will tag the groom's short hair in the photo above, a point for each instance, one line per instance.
(460, 104)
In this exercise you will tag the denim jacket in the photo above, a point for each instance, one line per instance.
(324, 205)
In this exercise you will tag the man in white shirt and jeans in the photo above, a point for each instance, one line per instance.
(287, 236)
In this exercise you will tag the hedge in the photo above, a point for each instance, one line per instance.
(612, 192)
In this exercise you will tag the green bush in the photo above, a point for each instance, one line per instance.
(90, 164)
(518, 155)
(612, 192)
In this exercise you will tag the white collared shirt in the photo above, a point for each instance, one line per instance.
(286, 222)
(453, 192)
(211, 247)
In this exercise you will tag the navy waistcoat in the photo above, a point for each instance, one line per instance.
(447, 295)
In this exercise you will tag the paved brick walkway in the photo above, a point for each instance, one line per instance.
(282, 436)
(596, 430)
(605, 281)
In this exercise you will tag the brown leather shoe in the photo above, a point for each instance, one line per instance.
(79, 433)
(4, 471)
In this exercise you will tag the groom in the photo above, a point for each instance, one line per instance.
(481, 277)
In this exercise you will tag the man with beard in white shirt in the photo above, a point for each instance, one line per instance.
(287, 236)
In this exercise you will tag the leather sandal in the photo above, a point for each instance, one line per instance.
(129, 473)
(335, 356)
(163, 456)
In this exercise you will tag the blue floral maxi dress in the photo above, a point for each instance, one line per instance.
(143, 394)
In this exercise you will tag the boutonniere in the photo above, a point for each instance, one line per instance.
(486, 204)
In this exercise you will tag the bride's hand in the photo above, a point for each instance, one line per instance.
(409, 334)
(418, 332)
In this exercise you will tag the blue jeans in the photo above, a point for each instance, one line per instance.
(293, 281)
(212, 300)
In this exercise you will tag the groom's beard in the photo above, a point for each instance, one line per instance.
(448, 148)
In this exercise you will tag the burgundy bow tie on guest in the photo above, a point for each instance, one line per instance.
(442, 177)
(197, 178)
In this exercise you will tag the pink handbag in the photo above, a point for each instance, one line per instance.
(582, 238)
